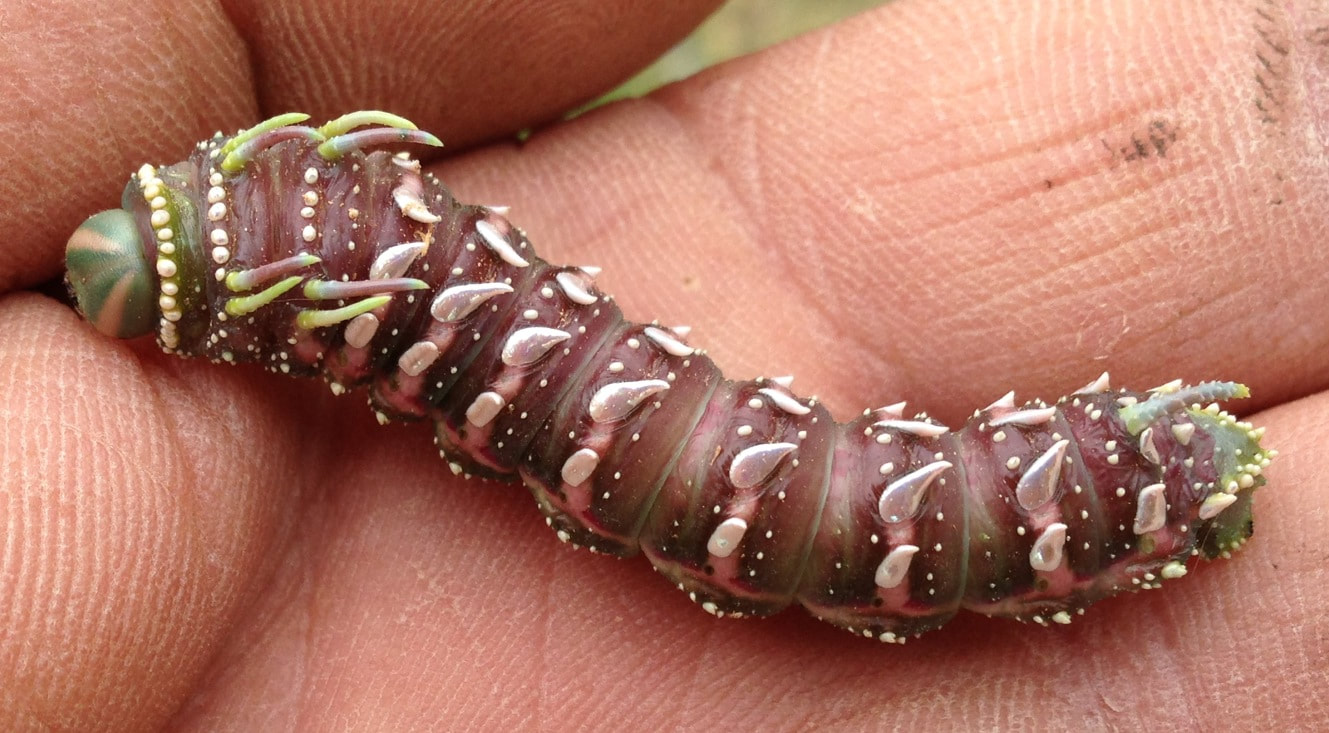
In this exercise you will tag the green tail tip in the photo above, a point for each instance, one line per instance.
(1172, 397)
(1238, 459)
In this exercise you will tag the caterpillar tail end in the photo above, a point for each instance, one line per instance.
(1238, 458)
(1240, 462)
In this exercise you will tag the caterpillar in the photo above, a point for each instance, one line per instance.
(312, 252)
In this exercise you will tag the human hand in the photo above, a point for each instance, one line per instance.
(929, 201)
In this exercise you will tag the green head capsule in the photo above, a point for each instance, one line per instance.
(109, 275)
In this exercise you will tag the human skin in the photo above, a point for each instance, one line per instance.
(936, 201)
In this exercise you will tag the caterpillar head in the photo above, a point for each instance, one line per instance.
(145, 266)
(109, 275)
(125, 267)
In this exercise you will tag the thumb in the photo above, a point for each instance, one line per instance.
(126, 548)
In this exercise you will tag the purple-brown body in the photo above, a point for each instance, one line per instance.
(369, 274)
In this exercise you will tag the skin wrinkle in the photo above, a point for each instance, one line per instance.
(324, 598)
(1279, 71)
(1168, 661)
(751, 222)
(192, 529)
(333, 70)
(706, 158)
(1314, 35)
(696, 675)
(307, 706)
(974, 310)
(230, 663)
(34, 572)
(653, 210)
(1103, 201)
(102, 568)
(962, 218)
(544, 709)
(1086, 139)
(305, 590)
(1271, 53)
(54, 522)
(188, 521)
(809, 291)
(307, 597)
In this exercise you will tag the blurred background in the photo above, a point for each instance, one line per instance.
(739, 27)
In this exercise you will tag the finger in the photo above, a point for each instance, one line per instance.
(124, 83)
(467, 71)
(967, 213)
(138, 519)
(93, 92)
